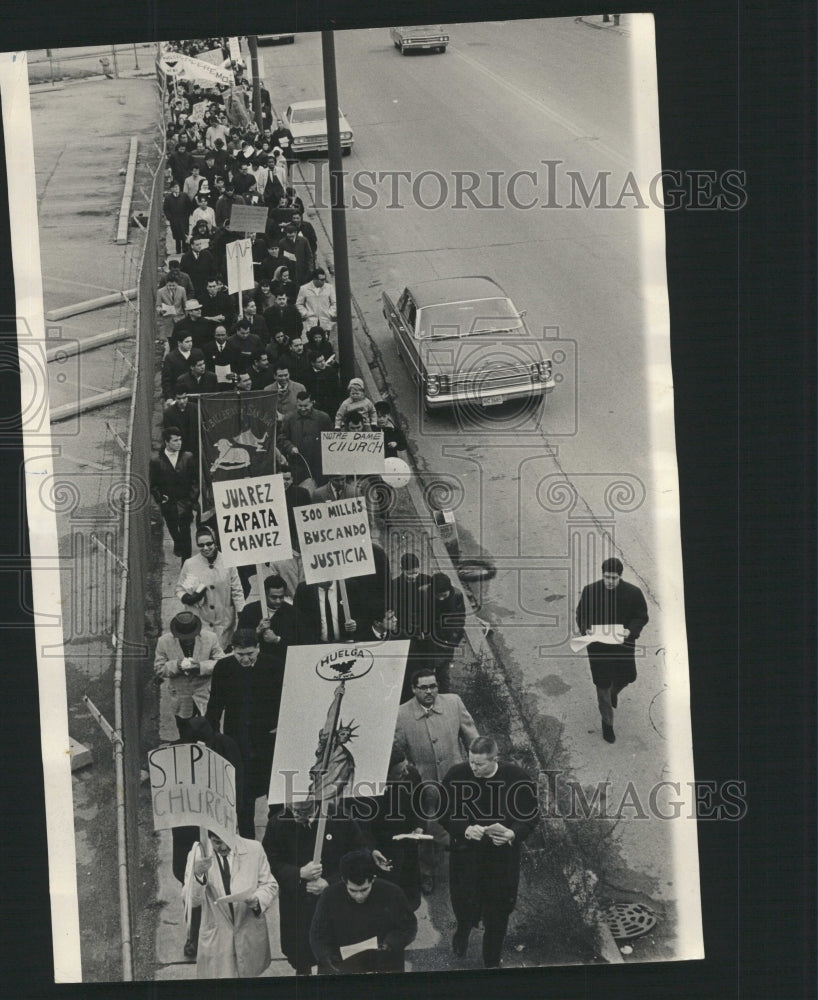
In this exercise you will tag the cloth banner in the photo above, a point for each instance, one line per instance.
(238, 432)
(186, 68)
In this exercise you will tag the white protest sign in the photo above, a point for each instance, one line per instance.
(363, 716)
(239, 266)
(199, 111)
(248, 218)
(235, 49)
(350, 453)
(192, 785)
(335, 540)
(252, 517)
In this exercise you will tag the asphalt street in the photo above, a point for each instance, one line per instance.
(549, 492)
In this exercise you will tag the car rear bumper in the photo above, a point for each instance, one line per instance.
(490, 398)
(423, 43)
(320, 145)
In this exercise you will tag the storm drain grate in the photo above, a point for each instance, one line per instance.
(629, 920)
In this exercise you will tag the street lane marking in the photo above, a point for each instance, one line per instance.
(540, 105)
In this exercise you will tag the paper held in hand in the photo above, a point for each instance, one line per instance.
(413, 836)
(348, 950)
(614, 635)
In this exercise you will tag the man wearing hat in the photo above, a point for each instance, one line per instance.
(193, 325)
(186, 655)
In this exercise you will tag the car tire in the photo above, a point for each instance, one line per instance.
(346, 150)
(401, 49)
(441, 48)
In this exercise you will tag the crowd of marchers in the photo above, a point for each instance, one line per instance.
(223, 651)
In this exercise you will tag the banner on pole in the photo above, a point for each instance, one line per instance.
(238, 438)
(339, 705)
(335, 540)
(252, 520)
(191, 785)
(350, 453)
(184, 67)
(239, 265)
(247, 219)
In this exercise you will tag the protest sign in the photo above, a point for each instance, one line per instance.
(192, 785)
(358, 453)
(239, 266)
(335, 540)
(339, 705)
(235, 49)
(252, 520)
(248, 219)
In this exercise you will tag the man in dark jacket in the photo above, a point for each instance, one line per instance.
(356, 909)
(290, 846)
(246, 688)
(612, 602)
(489, 810)
(200, 265)
(174, 486)
(276, 629)
(446, 618)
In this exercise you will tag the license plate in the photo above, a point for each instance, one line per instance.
(492, 400)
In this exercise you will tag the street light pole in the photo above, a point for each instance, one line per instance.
(252, 45)
(343, 294)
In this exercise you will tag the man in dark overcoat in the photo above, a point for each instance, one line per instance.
(612, 602)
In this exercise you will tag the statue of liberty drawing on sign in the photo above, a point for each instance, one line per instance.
(333, 773)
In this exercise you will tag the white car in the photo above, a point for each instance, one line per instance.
(307, 120)
(425, 38)
(286, 39)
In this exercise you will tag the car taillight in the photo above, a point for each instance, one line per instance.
(433, 385)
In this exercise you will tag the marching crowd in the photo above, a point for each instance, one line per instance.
(222, 654)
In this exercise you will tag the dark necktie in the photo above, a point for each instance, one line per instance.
(224, 864)
(328, 613)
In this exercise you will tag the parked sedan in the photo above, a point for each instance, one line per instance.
(286, 39)
(307, 120)
(465, 342)
(429, 38)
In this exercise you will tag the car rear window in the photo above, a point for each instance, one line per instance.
(467, 319)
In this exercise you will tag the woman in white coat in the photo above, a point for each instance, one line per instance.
(210, 589)
(234, 942)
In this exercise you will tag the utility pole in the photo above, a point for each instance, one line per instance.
(252, 44)
(343, 294)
